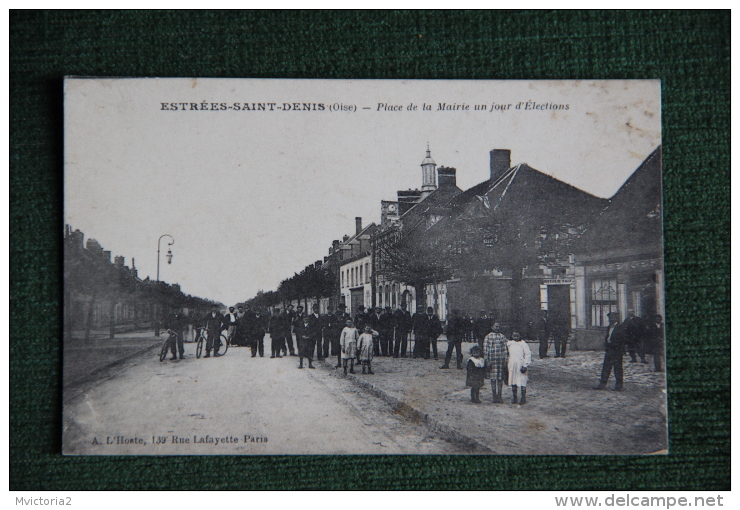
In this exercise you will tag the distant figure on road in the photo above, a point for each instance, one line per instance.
(520, 357)
(497, 359)
(614, 341)
(306, 341)
(348, 345)
(176, 322)
(213, 323)
(365, 348)
(476, 373)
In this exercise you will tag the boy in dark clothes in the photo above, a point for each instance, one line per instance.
(476, 373)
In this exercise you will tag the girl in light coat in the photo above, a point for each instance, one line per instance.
(520, 356)
(348, 346)
(365, 349)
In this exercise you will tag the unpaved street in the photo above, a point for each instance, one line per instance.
(234, 404)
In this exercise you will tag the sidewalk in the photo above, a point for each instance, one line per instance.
(563, 414)
(81, 358)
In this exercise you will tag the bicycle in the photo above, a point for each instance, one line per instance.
(223, 343)
(168, 344)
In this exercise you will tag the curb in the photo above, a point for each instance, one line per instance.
(410, 412)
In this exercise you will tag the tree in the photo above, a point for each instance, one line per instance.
(416, 265)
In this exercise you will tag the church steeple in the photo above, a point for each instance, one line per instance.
(428, 174)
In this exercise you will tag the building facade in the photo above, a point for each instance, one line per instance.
(618, 262)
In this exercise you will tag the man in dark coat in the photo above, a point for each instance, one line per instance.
(455, 333)
(429, 328)
(213, 323)
(257, 334)
(291, 318)
(654, 340)
(416, 327)
(375, 320)
(560, 332)
(543, 332)
(306, 342)
(176, 322)
(361, 318)
(330, 324)
(403, 327)
(615, 340)
(279, 328)
(635, 336)
(481, 327)
(316, 321)
(387, 325)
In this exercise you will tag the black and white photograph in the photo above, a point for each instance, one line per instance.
(384, 267)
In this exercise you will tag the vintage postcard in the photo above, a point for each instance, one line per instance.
(259, 267)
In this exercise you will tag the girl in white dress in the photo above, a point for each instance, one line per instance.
(520, 356)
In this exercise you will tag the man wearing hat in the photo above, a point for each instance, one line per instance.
(615, 340)
(213, 322)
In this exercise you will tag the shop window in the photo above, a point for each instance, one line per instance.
(603, 300)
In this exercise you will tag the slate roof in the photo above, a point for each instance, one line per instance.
(633, 217)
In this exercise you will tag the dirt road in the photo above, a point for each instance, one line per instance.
(234, 404)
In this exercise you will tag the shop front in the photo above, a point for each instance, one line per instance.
(604, 286)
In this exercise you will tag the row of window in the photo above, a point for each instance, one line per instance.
(354, 276)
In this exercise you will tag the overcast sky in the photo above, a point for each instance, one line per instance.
(251, 197)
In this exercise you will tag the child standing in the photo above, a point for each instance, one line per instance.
(476, 373)
(348, 345)
(365, 349)
(520, 356)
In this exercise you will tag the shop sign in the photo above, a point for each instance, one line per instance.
(558, 281)
(632, 266)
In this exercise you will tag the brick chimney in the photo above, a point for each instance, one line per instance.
(119, 261)
(446, 176)
(500, 162)
(358, 225)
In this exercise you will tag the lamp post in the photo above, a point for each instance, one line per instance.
(169, 252)
(169, 261)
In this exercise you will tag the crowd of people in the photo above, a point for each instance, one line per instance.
(377, 332)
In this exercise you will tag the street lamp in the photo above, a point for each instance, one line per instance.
(169, 261)
(169, 251)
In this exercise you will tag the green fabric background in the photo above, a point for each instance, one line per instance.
(688, 51)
